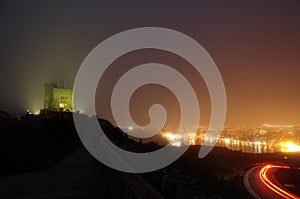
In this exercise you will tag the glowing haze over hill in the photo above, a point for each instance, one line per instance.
(255, 45)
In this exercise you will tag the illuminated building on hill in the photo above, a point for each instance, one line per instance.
(56, 98)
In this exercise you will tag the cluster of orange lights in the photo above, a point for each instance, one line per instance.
(263, 174)
(180, 139)
(289, 147)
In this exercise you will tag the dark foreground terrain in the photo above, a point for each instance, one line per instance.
(44, 158)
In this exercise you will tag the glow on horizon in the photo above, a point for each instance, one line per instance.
(289, 147)
(277, 126)
(174, 139)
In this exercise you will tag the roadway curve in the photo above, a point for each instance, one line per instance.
(260, 183)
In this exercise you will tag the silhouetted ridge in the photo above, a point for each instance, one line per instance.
(4, 115)
(122, 140)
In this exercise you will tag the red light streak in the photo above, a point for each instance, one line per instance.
(264, 178)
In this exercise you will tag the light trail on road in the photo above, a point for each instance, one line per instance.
(263, 174)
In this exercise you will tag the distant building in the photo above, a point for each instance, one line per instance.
(58, 98)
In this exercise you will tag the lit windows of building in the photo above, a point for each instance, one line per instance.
(57, 98)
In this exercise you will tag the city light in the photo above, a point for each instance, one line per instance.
(226, 140)
(28, 112)
(246, 139)
(61, 105)
(289, 147)
(174, 139)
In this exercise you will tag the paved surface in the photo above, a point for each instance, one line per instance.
(77, 176)
(255, 187)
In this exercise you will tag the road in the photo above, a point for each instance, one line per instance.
(260, 183)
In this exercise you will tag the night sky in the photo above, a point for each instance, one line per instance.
(255, 45)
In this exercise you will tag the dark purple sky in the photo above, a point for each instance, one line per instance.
(255, 45)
